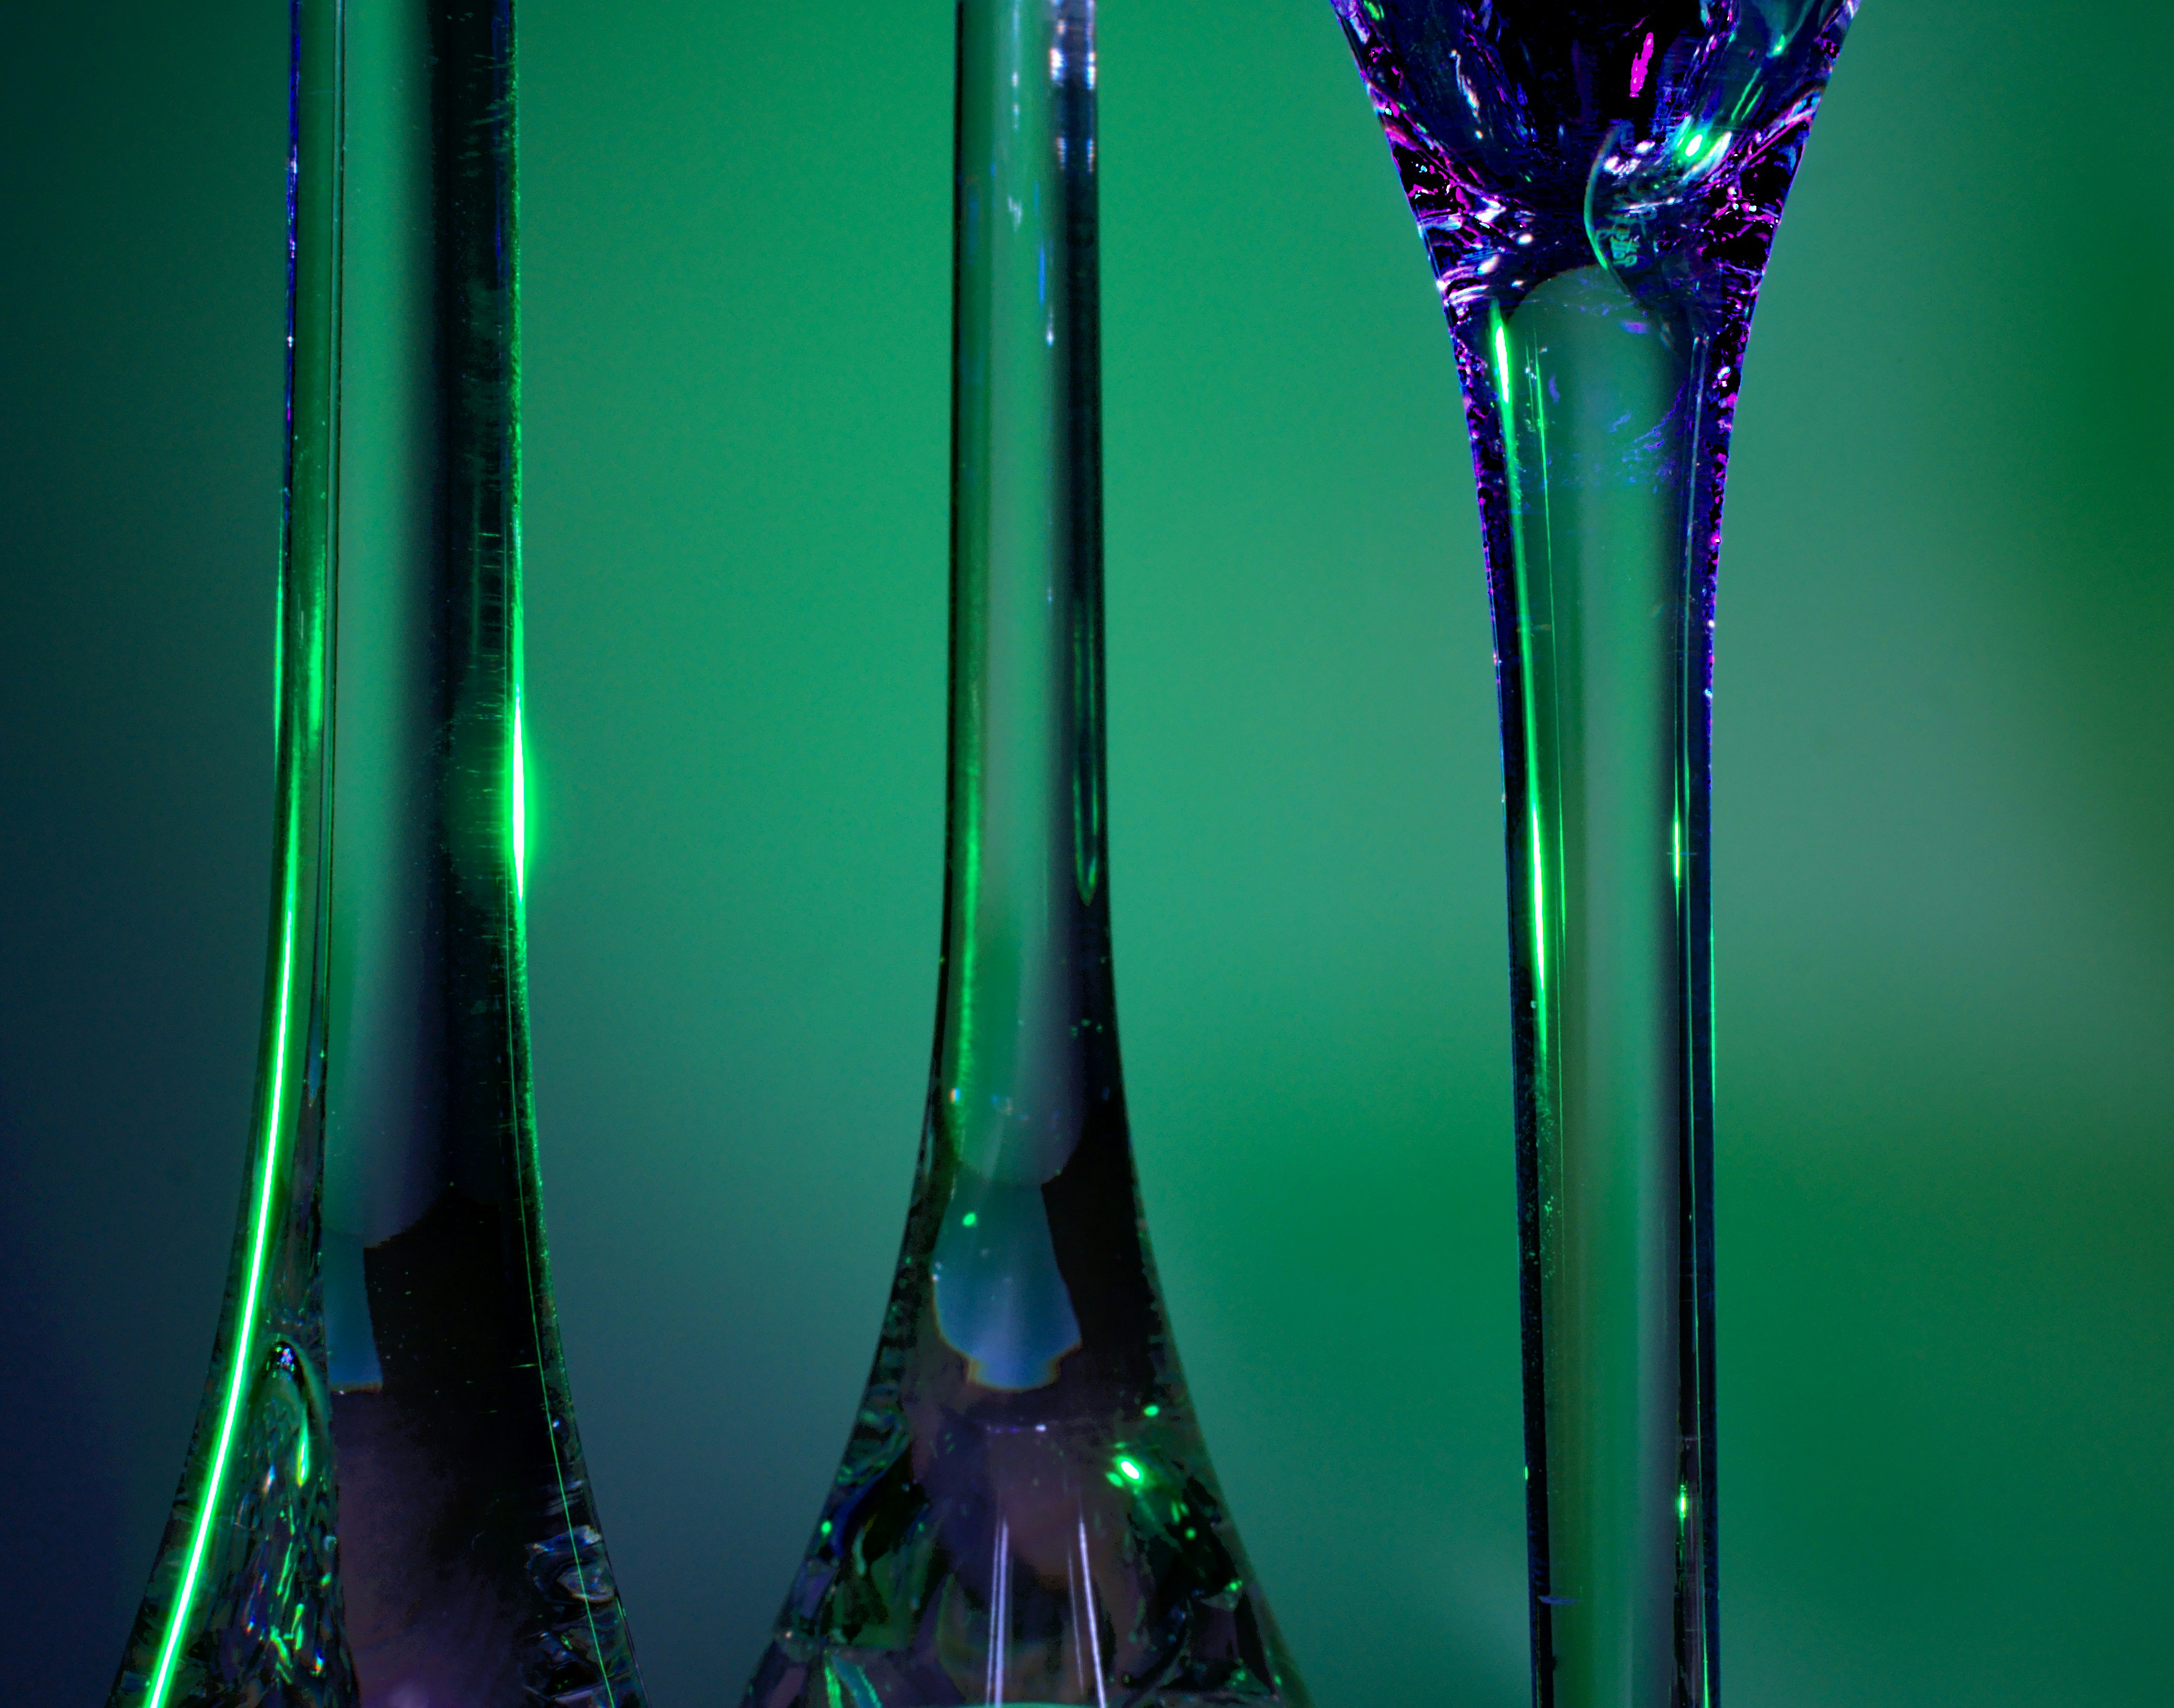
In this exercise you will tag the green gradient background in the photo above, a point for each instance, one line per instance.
(1945, 800)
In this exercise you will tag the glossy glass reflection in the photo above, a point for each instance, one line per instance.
(385, 1504)
(1597, 186)
(1025, 1512)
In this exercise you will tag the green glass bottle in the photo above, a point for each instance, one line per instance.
(385, 1503)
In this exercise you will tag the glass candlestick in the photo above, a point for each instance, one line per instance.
(1598, 185)
(1025, 1512)
(385, 1503)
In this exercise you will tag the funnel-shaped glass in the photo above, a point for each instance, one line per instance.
(385, 1503)
(1598, 185)
(1025, 1512)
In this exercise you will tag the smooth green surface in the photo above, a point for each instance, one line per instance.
(1944, 795)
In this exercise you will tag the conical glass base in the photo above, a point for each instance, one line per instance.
(1062, 1542)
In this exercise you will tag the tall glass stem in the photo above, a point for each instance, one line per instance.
(1026, 1064)
(1025, 1512)
(1600, 442)
(385, 1503)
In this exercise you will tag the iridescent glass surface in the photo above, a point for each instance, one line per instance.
(1597, 186)
(1025, 1512)
(385, 1503)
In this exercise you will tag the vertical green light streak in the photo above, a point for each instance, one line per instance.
(1506, 404)
(245, 1329)
(519, 807)
(1540, 932)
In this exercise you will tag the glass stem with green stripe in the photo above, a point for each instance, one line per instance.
(1602, 606)
(1598, 185)
(1025, 1512)
(385, 1503)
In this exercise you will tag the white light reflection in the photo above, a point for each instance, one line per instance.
(1094, 1625)
(1000, 1616)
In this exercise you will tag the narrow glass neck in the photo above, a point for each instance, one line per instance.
(428, 1040)
(1025, 1038)
(1601, 444)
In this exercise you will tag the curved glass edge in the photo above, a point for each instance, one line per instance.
(244, 1584)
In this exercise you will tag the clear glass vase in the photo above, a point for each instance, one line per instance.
(385, 1503)
(1025, 1512)
(1597, 186)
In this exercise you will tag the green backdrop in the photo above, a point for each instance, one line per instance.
(1943, 804)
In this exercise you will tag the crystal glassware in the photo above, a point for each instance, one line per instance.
(1025, 1512)
(384, 1504)
(1598, 184)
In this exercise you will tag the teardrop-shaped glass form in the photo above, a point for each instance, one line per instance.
(385, 1503)
(1025, 1512)
(1598, 185)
